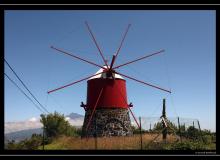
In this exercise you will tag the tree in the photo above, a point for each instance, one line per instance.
(56, 125)
(34, 142)
(193, 133)
(27, 144)
(10, 144)
(159, 127)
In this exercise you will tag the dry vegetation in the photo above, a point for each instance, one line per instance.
(106, 143)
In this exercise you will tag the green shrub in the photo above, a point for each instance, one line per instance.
(28, 144)
(159, 127)
(11, 145)
(55, 125)
(187, 145)
(207, 139)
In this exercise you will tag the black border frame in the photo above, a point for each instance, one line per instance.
(105, 7)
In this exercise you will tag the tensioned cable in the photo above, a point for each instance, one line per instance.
(26, 86)
(124, 98)
(60, 40)
(56, 100)
(168, 79)
(23, 92)
(169, 83)
(134, 70)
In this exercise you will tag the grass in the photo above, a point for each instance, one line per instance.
(105, 143)
(127, 143)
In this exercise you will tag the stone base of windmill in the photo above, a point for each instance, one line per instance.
(107, 122)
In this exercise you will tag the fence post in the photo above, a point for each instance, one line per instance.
(140, 132)
(179, 129)
(184, 127)
(43, 136)
(96, 146)
(200, 131)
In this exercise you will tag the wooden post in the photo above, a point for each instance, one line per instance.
(150, 127)
(96, 146)
(193, 125)
(200, 131)
(140, 132)
(164, 108)
(43, 136)
(164, 132)
(179, 129)
(66, 131)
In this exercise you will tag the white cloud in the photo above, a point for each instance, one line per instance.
(33, 119)
(22, 125)
(34, 122)
(67, 118)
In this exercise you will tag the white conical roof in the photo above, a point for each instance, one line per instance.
(100, 75)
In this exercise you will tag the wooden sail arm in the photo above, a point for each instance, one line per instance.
(138, 59)
(148, 84)
(67, 85)
(77, 57)
(93, 37)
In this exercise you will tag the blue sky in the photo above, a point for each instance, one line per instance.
(187, 66)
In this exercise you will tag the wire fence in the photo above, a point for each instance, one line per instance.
(150, 135)
(148, 123)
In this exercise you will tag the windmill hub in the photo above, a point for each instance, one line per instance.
(108, 73)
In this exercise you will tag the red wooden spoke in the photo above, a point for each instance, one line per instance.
(93, 111)
(77, 57)
(73, 83)
(122, 41)
(113, 60)
(93, 37)
(134, 117)
(138, 59)
(143, 82)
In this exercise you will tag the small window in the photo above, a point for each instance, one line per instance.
(105, 75)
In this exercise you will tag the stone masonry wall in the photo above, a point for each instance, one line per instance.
(107, 122)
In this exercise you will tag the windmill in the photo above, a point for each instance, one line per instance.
(107, 109)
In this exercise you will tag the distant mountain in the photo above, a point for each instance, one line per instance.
(75, 115)
(75, 119)
(21, 135)
(24, 129)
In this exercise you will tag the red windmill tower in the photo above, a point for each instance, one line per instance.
(107, 109)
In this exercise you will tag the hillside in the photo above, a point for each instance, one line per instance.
(21, 135)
